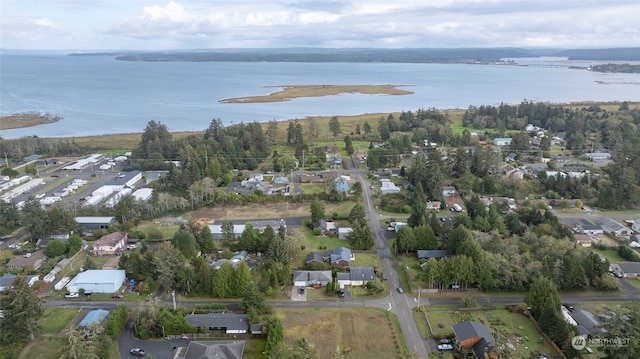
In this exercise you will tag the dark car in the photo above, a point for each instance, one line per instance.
(445, 341)
(301, 290)
(138, 352)
(118, 296)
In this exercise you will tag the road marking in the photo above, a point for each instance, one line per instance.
(389, 309)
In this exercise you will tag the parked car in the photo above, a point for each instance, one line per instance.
(131, 246)
(445, 341)
(384, 276)
(342, 293)
(118, 296)
(138, 352)
(301, 290)
(443, 347)
(72, 295)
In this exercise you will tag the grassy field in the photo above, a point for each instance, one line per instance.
(635, 282)
(610, 254)
(45, 347)
(312, 188)
(289, 92)
(343, 332)
(56, 319)
(268, 211)
(514, 329)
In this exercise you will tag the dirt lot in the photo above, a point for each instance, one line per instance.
(259, 211)
(341, 332)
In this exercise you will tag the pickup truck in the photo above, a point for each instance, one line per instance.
(443, 347)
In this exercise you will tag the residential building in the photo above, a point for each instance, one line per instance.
(34, 260)
(614, 228)
(597, 156)
(211, 350)
(357, 276)
(583, 239)
(328, 226)
(338, 257)
(473, 337)
(502, 141)
(448, 191)
(341, 185)
(434, 253)
(97, 281)
(308, 278)
(110, 244)
(433, 205)
(587, 323)
(588, 227)
(626, 269)
(228, 323)
(388, 187)
(6, 281)
(93, 223)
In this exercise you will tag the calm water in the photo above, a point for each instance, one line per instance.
(98, 95)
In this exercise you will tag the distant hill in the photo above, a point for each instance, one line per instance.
(407, 55)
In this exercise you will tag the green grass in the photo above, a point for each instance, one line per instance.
(635, 282)
(312, 188)
(167, 231)
(55, 320)
(47, 347)
(366, 260)
(319, 294)
(253, 348)
(512, 325)
(610, 254)
(313, 243)
(421, 322)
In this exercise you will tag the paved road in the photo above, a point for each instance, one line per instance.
(400, 304)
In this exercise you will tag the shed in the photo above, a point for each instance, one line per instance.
(92, 223)
(434, 253)
(343, 232)
(97, 281)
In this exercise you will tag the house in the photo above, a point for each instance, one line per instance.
(588, 227)
(211, 350)
(433, 205)
(228, 323)
(448, 191)
(93, 223)
(597, 156)
(502, 141)
(388, 187)
(305, 278)
(343, 232)
(217, 231)
(97, 281)
(94, 317)
(110, 244)
(473, 337)
(626, 269)
(614, 228)
(587, 323)
(583, 239)
(338, 257)
(510, 172)
(341, 185)
(6, 281)
(434, 253)
(281, 181)
(35, 260)
(154, 176)
(356, 276)
(328, 226)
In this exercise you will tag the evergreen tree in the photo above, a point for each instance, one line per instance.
(185, 243)
(205, 240)
(223, 281)
(317, 210)
(418, 215)
(242, 277)
(22, 309)
(360, 237)
(334, 126)
(357, 213)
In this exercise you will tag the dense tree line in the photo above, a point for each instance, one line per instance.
(624, 68)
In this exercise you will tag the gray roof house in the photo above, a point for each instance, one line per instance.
(473, 337)
(626, 269)
(226, 322)
(614, 228)
(340, 256)
(211, 350)
(306, 278)
(588, 227)
(6, 281)
(588, 324)
(356, 276)
(434, 253)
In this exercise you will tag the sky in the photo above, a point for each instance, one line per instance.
(205, 24)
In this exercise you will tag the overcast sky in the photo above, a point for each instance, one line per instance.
(191, 24)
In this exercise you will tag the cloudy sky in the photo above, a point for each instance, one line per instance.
(191, 24)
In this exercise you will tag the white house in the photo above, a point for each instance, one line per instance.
(110, 244)
(388, 187)
(614, 228)
(356, 276)
(97, 281)
(587, 227)
(502, 141)
(306, 278)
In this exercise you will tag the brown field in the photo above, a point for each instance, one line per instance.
(260, 211)
(289, 92)
(27, 120)
(343, 332)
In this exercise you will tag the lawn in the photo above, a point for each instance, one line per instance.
(55, 320)
(366, 259)
(45, 347)
(312, 188)
(635, 282)
(167, 230)
(518, 332)
(313, 243)
(343, 332)
(611, 255)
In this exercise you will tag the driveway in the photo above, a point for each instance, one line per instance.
(156, 349)
(296, 296)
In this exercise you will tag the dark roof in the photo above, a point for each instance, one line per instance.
(217, 350)
(342, 276)
(219, 320)
(587, 321)
(362, 273)
(257, 327)
(314, 257)
(630, 267)
(122, 178)
(435, 253)
(589, 226)
(7, 280)
(470, 329)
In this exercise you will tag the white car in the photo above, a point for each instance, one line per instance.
(443, 347)
(72, 295)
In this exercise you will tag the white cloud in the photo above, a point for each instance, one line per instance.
(43, 22)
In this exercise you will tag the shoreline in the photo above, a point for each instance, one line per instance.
(290, 92)
(27, 119)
